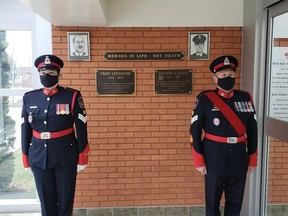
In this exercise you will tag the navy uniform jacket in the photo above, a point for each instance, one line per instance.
(223, 158)
(59, 110)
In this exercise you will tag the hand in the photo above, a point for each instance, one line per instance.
(202, 170)
(250, 169)
(28, 170)
(80, 167)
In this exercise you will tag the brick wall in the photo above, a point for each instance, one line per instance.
(140, 151)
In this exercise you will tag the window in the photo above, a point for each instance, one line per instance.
(15, 80)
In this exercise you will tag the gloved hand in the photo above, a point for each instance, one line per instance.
(250, 169)
(28, 170)
(80, 167)
(202, 170)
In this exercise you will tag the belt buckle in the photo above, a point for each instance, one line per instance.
(45, 135)
(232, 140)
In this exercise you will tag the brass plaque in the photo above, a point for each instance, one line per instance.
(132, 56)
(173, 81)
(115, 82)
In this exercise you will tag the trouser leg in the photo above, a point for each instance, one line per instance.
(234, 191)
(214, 186)
(46, 188)
(65, 178)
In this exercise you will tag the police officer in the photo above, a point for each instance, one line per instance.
(199, 41)
(49, 144)
(227, 149)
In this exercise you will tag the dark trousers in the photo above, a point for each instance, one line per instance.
(56, 189)
(233, 187)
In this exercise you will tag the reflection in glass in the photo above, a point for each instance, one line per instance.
(277, 199)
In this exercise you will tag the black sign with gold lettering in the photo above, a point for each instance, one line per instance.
(132, 56)
(177, 81)
(115, 82)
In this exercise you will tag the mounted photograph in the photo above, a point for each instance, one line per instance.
(199, 45)
(78, 46)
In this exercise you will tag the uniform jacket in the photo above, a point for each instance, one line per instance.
(54, 111)
(223, 158)
(195, 56)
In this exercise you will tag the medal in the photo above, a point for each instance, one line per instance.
(251, 106)
(244, 106)
(67, 109)
(57, 109)
(62, 109)
(240, 107)
(236, 107)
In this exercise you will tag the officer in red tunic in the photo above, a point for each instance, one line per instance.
(50, 147)
(223, 135)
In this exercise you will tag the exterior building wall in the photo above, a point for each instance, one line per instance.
(140, 152)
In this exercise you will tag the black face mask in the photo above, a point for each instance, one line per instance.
(226, 83)
(48, 80)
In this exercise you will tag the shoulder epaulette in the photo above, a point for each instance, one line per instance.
(70, 89)
(241, 91)
(203, 92)
(32, 91)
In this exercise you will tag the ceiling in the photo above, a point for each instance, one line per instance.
(139, 13)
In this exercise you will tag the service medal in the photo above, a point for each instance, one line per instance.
(244, 107)
(62, 109)
(251, 106)
(240, 107)
(248, 107)
(57, 109)
(236, 107)
(67, 109)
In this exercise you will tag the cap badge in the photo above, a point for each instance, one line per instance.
(199, 37)
(47, 60)
(226, 61)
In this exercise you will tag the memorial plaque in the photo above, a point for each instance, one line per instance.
(175, 81)
(115, 82)
(142, 56)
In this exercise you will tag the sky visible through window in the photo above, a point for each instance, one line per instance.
(20, 47)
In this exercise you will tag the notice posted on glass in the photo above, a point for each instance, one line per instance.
(279, 84)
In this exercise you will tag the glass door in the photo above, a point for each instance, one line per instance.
(275, 178)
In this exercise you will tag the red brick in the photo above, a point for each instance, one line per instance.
(141, 140)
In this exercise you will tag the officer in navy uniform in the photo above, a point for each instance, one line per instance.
(199, 41)
(50, 147)
(223, 136)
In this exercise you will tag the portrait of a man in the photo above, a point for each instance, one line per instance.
(199, 46)
(79, 47)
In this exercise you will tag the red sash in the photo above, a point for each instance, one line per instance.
(230, 115)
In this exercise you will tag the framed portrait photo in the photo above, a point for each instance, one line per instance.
(199, 45)
(78, 46)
